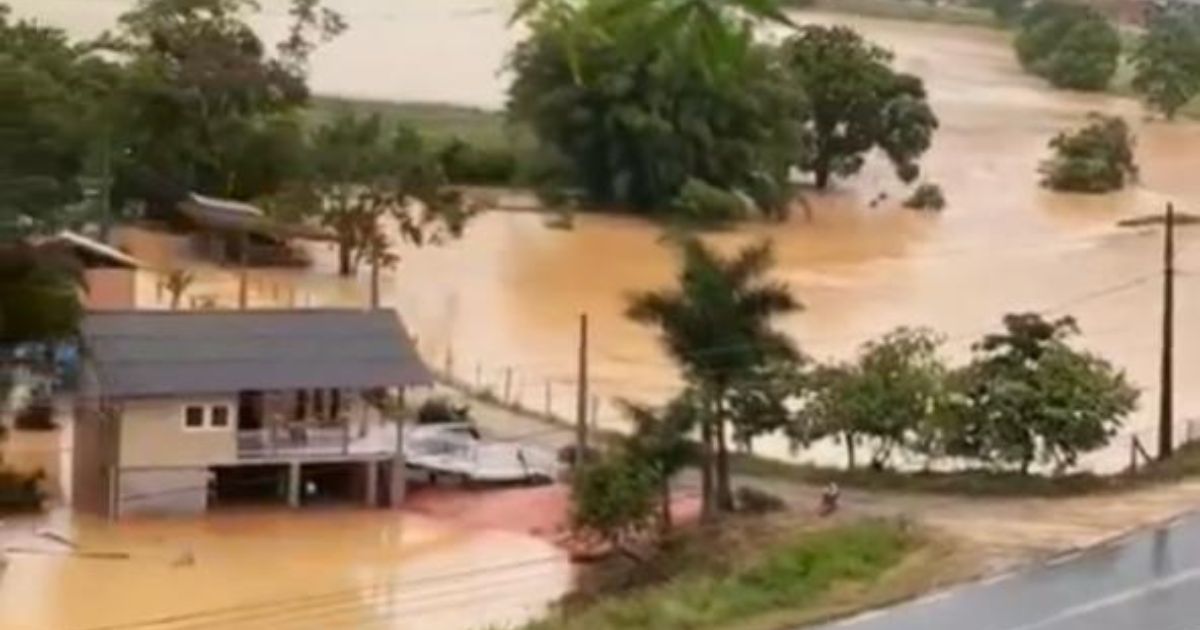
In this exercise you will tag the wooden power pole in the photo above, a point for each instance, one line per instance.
(581, 404)
(1166, 433)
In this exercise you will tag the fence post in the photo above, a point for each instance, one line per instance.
(508, 371)
(1133, 454)
(549, 402)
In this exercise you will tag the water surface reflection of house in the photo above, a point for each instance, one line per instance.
(181, 411)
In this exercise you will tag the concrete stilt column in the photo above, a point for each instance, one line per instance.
(294, 484)
(399, 478)
(372, 498)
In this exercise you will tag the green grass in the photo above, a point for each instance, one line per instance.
(914, 10)
(1185, 464)
(437, 122)
(797, 573)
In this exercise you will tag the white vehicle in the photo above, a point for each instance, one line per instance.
(458, 449)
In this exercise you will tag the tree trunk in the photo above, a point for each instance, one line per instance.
(665, 498)
(849, 451)
(344, 267)
(821, 169)
(724, 492)
(707, 505)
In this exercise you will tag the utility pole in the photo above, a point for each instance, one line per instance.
(581, 403)
(1166, 437)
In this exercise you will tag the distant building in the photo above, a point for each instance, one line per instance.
(181, 411)
(110, 275)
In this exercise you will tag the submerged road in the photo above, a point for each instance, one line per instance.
(1150, 581)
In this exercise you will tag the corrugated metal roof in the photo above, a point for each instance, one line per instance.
(155, 353)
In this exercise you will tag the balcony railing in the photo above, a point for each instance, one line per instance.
(294, 440)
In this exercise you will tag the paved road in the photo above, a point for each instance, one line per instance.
(1149, 582)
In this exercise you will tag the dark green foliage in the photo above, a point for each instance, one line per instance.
(47, 87)
(614, 497)
(20, 492)
(926, 196)
(1167, 57)
(466, 163)
(701, 203)
(39, 294)
(754, 501)
(1097, 158)
(635, 123)
(716, 323)
(1006, 11)
(858, 103)
(442, 410)
(1071, 45)
(1028, 397)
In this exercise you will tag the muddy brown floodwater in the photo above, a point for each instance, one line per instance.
(506, 297)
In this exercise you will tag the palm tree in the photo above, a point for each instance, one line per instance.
(716, 325)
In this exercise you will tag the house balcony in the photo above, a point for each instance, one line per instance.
(304, 441)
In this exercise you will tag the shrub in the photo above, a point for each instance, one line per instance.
(20, 492)
(755, 501)
(701, 202)
(476, 164)
(1094, 159)
(927, 196)
(613, 497)
(38, 415)
(441, 410)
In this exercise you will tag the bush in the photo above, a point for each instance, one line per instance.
(475, 164)
(702, 203)
(755, 501)
(613, 497)
(38, 415)
(1095, 159)
(441, 410)
(1070, 45)
(20, 492)
(927, 196)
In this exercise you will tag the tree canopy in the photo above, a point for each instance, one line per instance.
(1167, 57)
(636, 124)
(1069, 44)
(857, 103)
(1096, 158)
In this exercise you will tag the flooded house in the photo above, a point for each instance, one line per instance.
(179, 412)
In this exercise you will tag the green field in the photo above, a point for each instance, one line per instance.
(436, 121)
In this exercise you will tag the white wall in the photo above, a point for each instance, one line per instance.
(153, 433)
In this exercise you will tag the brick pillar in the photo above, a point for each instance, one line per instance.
(293, 489)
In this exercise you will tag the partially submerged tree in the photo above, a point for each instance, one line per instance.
(367, 180)
(614, 497)
(1027, 397)
(858, 103)
(661, 441)
(1167, 58)
(716, 323)
(640, 125)
(1069, 44)
(1097, 158)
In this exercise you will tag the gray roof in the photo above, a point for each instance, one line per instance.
(158, 353)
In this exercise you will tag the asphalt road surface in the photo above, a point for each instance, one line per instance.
(1148, 582)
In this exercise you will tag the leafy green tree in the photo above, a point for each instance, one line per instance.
(1167, 58)
(47, 87)
(716, 324)
(614, 498)
(1028, 397)
(827, 410)
(661, 441)
(1094, 159)
(1006, 11)
(858, 103)
(642, 122)
(203, 103)
(363, 180)
(39, 294)
(1071, 45)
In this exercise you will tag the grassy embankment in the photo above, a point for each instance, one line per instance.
(914, 10)
(437, 122)
(759, 576)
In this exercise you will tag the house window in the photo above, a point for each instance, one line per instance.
(218, 417)
(193, 417)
